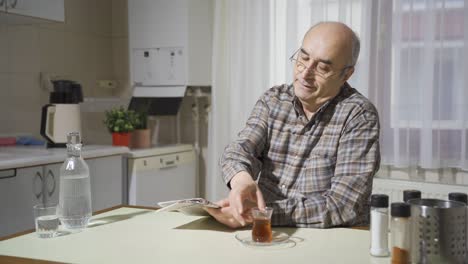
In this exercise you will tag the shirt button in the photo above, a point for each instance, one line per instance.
(283, 186)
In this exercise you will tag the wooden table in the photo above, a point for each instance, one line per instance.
(141, 235)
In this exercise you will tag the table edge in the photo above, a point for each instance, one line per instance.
(95, 213)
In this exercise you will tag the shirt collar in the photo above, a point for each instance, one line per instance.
(298, 105)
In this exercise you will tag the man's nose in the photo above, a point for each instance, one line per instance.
(308, 72)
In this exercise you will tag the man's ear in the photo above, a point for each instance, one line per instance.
(348, 73)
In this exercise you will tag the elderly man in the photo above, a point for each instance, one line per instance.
(309, 150)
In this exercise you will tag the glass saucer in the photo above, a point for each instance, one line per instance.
(279, 238)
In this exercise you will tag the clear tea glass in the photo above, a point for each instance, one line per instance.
(46, 220)
(261, 230)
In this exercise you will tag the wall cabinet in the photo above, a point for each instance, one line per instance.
(42, 9)
(22, 188)
(182, 25)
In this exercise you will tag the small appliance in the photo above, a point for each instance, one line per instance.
(62, 115)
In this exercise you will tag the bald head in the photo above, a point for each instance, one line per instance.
(325, 61)
(338, 35)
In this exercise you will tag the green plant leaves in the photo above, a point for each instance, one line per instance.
(121, 120)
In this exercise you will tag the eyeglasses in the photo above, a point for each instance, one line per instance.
(320, 68)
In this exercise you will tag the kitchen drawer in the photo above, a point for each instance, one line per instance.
(163, 161)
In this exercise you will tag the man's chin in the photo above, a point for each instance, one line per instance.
(304, 92)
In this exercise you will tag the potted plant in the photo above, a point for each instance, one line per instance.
(120, 123)
(141, 134)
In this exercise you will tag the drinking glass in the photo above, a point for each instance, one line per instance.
(261, 230)
(46, 219)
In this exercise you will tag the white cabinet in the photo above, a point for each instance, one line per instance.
(43, 9)
(51, 183)
(167, 174)
(184, 26)
(107, 182)
(22, 188)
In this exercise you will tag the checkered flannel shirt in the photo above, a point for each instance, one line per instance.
(313, 173)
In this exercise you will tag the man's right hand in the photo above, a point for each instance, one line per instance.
(243, 196)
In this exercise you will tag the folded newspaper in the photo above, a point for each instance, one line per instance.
(192, 206)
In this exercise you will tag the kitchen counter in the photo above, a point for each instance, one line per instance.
(132, 235)
(26, 156)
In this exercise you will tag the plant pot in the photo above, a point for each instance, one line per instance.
(121, 139)
(141, 138)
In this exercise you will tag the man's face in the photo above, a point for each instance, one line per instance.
(322, 68)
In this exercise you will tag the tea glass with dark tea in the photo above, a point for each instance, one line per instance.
(261, 230)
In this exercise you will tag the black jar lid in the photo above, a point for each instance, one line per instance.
(379, 200)
(400, 210)
(459, 197)
(411, 194)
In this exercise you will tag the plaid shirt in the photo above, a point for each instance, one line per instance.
(314, 173)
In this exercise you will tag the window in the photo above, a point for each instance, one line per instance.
(427, 61)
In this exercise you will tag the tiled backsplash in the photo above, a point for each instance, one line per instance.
(91, 45)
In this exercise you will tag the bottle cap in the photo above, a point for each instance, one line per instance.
(379, 200)
(400, 210)
(74, 138)
(459, 197)
(411, 194)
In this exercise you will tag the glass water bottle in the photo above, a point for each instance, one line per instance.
(75, 188)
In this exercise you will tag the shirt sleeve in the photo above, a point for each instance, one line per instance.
(358, 159)
(242, 154)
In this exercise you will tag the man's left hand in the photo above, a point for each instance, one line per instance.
(224, 214)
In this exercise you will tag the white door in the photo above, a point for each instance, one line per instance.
(46, 9)
(52, 183)
(20, 190)
(106, 182)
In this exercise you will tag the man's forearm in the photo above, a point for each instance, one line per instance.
(241, 178)
(237, 158)
(241, 155)
(313, 211)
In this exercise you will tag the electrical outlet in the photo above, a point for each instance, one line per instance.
(107, 84)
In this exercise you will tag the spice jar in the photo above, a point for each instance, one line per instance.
(411, 194)
(379, 225)
(400, 233)
(458, 197)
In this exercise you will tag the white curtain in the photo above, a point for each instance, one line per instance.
(412, 66)
(423, 97)
(240, 75)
